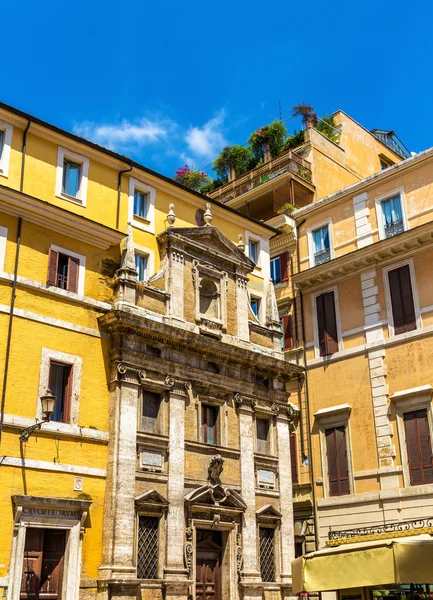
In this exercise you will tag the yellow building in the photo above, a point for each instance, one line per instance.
(364, 283)
(170, 436)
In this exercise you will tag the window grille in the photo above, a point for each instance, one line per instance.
(147, 554)
(267, 553)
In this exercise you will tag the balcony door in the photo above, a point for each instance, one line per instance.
(43, 564)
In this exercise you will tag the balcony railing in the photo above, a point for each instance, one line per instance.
(394, 228)
(322, 257)
(285, 163)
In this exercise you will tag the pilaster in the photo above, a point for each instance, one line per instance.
(242, 308)
(175, 283)
(379, 389)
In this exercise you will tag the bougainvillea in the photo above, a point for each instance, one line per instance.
(194, 180)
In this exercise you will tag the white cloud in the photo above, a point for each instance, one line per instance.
(207, 141)
(126, 135)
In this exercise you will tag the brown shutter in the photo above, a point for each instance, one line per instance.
(338, 470)
(327, 324)
(72, 282)
(32, 563)
(294, 458)
(53, 261)
(286, 322)
(284, 266)
(403, 310)
(418, 447)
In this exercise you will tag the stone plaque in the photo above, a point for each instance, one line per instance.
(151, 458)
(266, 477)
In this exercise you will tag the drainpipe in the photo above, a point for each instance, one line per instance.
(119, 185)
(11, 316)
(14, 285)
(307, 397)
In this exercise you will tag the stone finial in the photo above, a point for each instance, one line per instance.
(171, 217)
(207, 217)
(128, 254)
(241, 243)
(215, 469)
(272, 315)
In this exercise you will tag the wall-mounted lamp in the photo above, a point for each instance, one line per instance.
(48, 403)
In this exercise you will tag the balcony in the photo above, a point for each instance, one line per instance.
(394, 228)
(286, 163)
(322, 257)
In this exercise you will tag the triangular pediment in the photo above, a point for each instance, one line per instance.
(210, 239)
(151, 497)
(269, 511)
(216, 495)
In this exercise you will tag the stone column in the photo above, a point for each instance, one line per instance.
(286, 498)
(119, 514)
(175, 283)
(250, 575)
(242, 309)
(175, 573)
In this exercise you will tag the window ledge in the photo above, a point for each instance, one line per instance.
(62, 429)
(73, 199)
(267, 492)
(212, 449)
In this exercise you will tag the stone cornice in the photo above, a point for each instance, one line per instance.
(58, 219)
(339, 268)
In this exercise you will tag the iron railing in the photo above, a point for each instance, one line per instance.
(386, 528)
(322, 257)
(284, 163)
(394, 228)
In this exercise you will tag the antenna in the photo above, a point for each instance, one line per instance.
(279, 107)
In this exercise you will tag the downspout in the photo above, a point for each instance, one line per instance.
(14, 286)
(307, 397)
(119, 185)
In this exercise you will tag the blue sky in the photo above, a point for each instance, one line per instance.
(168, 83)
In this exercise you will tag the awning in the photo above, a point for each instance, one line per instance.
(381, 562)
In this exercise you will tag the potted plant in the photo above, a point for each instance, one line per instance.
(306, 112)
(232, 162)
(268, 141)
(286, 209)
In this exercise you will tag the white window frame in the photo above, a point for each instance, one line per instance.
(310, 231)
(389, 314)
(275, 258)
(147, 224)
(407, 401)
(379, 212)
(6, 154)
(257, 296)
(263, 267)
(3, 242)
(327, 418)
(316, 323)
(81, 268)
(65, 154)
(76, 362)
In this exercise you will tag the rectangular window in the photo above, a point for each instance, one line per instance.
(255, 306)
(287, 329)
(327, 324)
(71, 178)
(254, 251)
(262, 430)
(294, 458)
(60, 382)
(321, 248)
(140, 204)
(150, 411)
(280, 268)
(2, 141)
(419, 448)
(392, 216)
(338, 467)
(267, 553)
(403, 309)
(147, 547)
(209, 417)
(63, 271)
(141, 261)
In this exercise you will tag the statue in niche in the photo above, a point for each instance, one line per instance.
(215, 469)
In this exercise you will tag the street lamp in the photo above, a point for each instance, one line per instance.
(48, 403)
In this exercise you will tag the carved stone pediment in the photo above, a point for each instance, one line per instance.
(268, 513)
(151, 500)
(216, 496)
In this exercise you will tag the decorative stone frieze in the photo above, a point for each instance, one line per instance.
(179, 387)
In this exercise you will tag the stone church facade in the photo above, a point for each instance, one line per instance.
(199, 493)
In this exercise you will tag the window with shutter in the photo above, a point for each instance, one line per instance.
(327, 324)
(60, 384)
(287, 327)
(209, 416)
(338, 467)
(419, 448)
(403, 309)
(284, 266)
(294, 458)
(63, 271)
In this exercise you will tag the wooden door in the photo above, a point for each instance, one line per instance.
(43, 564)
(208, 570)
